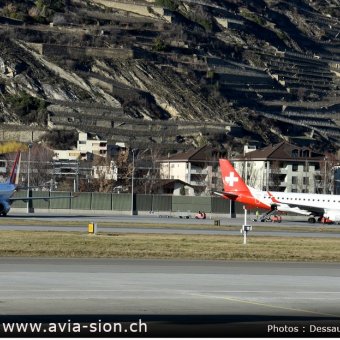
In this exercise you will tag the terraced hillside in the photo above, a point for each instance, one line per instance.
(173, 73)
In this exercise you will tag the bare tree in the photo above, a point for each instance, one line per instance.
(124, 169)
(103, 170)
(39, 165)
(148, 174)
(326, 173)
(253, 175)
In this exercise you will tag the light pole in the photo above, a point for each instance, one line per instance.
(132, 179)
(325, 177)
(28, 176)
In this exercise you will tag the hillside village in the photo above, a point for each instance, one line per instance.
(166, 77)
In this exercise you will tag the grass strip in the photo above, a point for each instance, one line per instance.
(151, 246)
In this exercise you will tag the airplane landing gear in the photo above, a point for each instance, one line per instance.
(266, 217)
(319, 219)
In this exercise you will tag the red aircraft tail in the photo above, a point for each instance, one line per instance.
(232, 181)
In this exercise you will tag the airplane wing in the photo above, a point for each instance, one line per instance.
(20, 188)
(230, 195)
(312, 210)
(25, 199)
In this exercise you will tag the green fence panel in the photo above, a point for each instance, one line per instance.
(101, 201)
(121, 202)
(252, 210)
(40, 203)
(192, 204)
(239, 208)
(19, 204)
(60, 203)
(82, 201)
(161, 203)
(143, 202)
(220, 205)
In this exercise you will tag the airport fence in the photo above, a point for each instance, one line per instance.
(120, 203)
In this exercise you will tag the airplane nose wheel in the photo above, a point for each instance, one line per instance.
(311, 220)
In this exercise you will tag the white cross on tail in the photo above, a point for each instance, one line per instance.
(231, 179)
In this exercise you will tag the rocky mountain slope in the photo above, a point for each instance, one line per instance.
(173, 73)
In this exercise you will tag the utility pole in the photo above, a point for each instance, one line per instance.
(132, 180)
(267, 176)
(28, 176)
(325, 176)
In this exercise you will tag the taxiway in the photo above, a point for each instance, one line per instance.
(109, 286)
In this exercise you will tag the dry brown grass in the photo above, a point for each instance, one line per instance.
(76, 244)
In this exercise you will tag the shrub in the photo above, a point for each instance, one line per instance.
(159, 45)
(29, 109)
(12, 146)
(61, 139)
(170, 4)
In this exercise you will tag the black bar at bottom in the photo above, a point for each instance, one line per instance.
(225, 326)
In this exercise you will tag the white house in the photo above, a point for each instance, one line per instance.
(71, 155)
(109, 172)
(198, 168)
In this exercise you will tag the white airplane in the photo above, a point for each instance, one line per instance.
(8, 188)
(316, 206)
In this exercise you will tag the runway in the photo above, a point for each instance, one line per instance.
(238, 291)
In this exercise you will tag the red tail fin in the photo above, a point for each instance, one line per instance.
(232, 181)
(14, 176)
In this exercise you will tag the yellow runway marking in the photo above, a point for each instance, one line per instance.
(267, 305)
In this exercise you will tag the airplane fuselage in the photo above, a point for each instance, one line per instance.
(6, 191)
(287, 201)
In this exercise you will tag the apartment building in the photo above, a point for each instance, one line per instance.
(90, 143)
(283, 167)
(198, 168)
